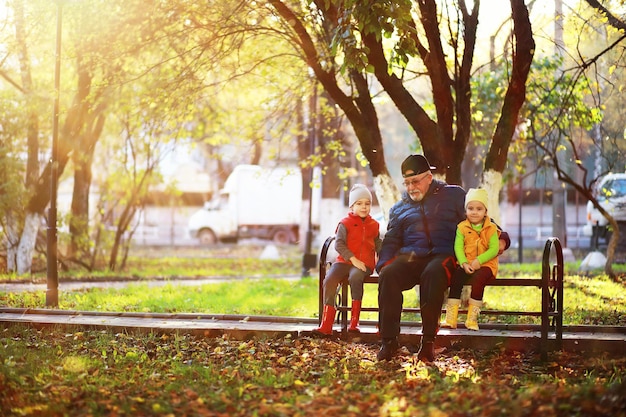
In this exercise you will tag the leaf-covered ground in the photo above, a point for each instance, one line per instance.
(49, 372)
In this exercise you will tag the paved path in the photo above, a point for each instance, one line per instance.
(81, 285)
(575, 338)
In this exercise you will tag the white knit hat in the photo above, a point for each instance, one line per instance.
(477, 194)
(358, 192)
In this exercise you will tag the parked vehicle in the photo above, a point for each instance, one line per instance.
(255, 202)
(611, 194)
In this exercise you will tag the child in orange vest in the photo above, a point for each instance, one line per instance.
(357, 240)
(476, 248)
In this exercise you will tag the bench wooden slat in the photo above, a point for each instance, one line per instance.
(499, 282)
(461, 311)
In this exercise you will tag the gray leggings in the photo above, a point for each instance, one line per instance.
(337, 274)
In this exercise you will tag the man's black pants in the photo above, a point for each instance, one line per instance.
(431, 273)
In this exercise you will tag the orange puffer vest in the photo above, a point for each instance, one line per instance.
(476, 243)
(361, 238)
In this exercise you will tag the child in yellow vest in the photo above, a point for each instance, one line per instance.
(476, 248)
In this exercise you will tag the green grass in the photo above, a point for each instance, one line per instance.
(587, 300)
(256, 291)
(235, 261)
(533, 269)
(173, 267)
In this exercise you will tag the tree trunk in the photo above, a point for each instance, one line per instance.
(13, 237)
(83, 115)
(515, 96)
(27, 243)
(359, 109)
(330, 130)
(492, 182)
(387, 192)
(443, 144)
(32, 130)
(93, 124)
(79, 221)
(611, 248)
(21, 245)
(41, 197)
(123, 225)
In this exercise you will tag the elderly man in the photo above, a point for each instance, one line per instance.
(418, 248)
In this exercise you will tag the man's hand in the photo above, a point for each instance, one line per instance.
(501, 246)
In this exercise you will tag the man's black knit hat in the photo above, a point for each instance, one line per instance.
(414, 165)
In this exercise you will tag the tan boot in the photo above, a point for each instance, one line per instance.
(328, 318)
(452, 313)
(472, 314)
(354, 316)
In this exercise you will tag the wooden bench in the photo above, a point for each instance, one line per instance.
(550, 283)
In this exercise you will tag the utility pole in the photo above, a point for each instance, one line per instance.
(309, 259)
(52, 291)
(559, 221)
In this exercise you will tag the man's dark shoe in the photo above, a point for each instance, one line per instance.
(426, 352)
(388, 349)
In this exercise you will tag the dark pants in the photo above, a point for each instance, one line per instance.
(478, 280)
(337, 274)
(432, 274)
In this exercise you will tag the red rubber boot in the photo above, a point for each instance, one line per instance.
(328, 318)
(354, 317)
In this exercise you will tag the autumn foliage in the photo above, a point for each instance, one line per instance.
(50, 372)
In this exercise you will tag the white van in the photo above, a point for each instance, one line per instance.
(255, 202)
